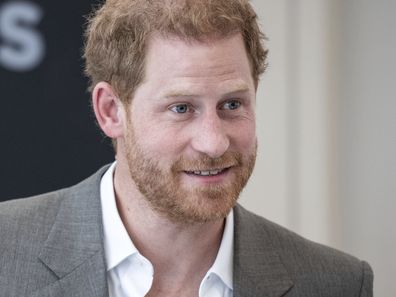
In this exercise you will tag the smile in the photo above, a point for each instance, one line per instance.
(209, 172)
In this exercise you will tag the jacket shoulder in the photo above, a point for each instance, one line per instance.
(28, 214)
(310, 264)
(45, 237)
(24, 226)
(41, 210)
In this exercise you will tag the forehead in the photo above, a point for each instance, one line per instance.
(210, 58)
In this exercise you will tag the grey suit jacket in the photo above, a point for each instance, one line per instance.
(52, 246)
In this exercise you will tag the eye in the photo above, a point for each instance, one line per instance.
(231, 105)
(180, 108)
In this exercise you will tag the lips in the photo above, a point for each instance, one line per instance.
(207, 172)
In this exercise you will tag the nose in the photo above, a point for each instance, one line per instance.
(210, 137)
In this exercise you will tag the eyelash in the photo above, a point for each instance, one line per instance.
(233, 102)
(188, 108)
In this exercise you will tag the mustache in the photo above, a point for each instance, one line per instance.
(204, 162)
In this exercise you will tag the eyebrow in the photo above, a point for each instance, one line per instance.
(178, 93)
(240, 88)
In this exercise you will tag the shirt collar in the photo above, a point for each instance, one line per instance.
(118, 245)
(223, 265)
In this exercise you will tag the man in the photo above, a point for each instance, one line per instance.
(173, 84)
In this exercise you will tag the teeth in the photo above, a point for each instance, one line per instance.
(208, 172)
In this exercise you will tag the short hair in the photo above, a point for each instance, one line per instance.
(117, 34)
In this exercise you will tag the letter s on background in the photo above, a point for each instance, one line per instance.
(23, 47)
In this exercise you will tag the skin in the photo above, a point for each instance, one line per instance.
(197, 103)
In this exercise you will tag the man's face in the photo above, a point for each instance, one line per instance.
(189, 139)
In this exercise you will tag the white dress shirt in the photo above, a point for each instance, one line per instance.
(129, 274)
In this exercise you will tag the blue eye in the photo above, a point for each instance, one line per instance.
(232, 105)
(180, 108)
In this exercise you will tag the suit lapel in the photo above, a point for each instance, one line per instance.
(258, 270)
(74, 248)
(87, 280)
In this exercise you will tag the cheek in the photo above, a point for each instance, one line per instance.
(160, 142)
(243, 136)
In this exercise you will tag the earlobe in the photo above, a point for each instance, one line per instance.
(107, 107)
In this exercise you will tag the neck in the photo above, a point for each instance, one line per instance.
(180, 253)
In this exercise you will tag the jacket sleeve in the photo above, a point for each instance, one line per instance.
(366, 289)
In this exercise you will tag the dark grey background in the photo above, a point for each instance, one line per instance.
(48, 134)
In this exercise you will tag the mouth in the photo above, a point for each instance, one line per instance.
(208, 172)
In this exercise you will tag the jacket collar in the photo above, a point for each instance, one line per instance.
(258, 269)
(74, 248)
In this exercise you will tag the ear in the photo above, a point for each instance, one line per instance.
(108, 110)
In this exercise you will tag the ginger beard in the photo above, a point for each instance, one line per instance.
(169, 197)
